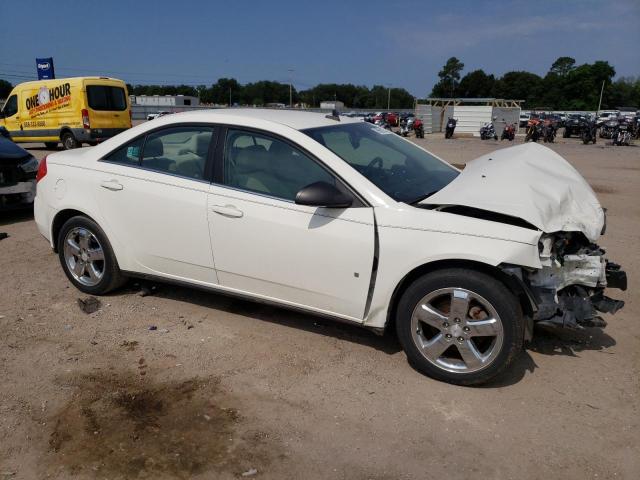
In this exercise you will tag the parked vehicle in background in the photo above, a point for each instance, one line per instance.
(573, 125)
(621, 134)
(17, 175)
(152, 116)
(450, 128)
(68, 110)
(404, 128)
(418, 128)
(606, 115)
(609, 128)
(509, 132)
(588, 130)
(488, 131)
(381, 232)
(534, 130)
(524, 119)
(548, 130)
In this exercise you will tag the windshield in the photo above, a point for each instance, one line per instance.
(398, 167)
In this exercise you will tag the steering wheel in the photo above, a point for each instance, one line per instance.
(376, 161)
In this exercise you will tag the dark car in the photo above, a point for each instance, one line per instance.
(18, 170)
(573, 125)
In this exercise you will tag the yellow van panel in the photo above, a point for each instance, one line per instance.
(46, 107)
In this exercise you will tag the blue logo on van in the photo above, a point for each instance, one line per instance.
(44, 66)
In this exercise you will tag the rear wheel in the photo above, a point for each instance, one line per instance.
(460, 326)
(51, 145)
(69, 141)
(87, 258)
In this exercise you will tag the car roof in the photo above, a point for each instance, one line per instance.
(295, 119)
(9, 150)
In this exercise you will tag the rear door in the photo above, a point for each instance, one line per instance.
(267, 245)
(107, 106)
(153, 195)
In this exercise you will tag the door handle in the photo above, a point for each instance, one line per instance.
(227, 211)
(113, 185)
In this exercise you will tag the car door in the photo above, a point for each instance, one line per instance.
(11, 115)
(153, 195)
(267, 245)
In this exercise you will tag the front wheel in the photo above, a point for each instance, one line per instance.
(460, 326)
(87, 258)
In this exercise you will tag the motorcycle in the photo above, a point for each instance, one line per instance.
(418, 128)
(588, 131)
(548, 131)
(534, 130)
(509, 132)
(451, 126)
(609, 128)
(404, 128)
(488, 131)
(621, 136)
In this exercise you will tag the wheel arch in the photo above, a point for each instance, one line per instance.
(59, 220)
(63, 130)
(514, 284)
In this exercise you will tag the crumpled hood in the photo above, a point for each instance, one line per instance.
(530, 182)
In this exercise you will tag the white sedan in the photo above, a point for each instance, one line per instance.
(338, 217)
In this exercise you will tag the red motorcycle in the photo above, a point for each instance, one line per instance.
(509, 132)
(418, 127)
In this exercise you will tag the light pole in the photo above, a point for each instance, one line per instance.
(388, 96)
(290, 87)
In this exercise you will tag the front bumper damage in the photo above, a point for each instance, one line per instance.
(569, 288)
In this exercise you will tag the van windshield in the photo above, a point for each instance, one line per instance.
(399, 168)
(105, 97)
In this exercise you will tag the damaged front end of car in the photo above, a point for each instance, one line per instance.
(569, 289)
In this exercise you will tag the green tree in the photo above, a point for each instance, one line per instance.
(476, 84)
(449, 78)
(562, 66)
(520, 86)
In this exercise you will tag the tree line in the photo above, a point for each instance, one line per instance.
(229, 91)
(566, 86)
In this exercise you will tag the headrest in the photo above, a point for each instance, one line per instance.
(154, 148)
(202, 143)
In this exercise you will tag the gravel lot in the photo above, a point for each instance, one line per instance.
(224, 386)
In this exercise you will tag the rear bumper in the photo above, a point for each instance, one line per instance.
(96, 134)
(17, 196)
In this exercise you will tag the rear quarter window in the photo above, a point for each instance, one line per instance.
(105, 97)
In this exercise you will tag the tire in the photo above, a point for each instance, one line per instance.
(96, 277)
(493, 353)
(69, 142)
(51, 145)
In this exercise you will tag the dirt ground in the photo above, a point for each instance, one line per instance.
(224, 387)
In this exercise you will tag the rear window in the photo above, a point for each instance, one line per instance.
(104, 97)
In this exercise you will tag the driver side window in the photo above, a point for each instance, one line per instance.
(266, 165)
(11, 107)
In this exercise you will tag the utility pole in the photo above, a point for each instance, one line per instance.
(229, 97)
(388, 96)
(600, 101)
(290, 87)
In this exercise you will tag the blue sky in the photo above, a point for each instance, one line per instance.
(401, 43)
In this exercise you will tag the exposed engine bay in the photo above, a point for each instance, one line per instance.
(569, 288)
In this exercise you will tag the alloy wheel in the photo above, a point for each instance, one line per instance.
(457, 330)
(84, 256)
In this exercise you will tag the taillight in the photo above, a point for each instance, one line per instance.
(42, 170)
(85, 119)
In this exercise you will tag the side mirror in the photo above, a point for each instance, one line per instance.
(323, 194)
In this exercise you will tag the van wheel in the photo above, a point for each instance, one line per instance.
(51, 145)
(87, 258)
(460, 326)
(69, 141)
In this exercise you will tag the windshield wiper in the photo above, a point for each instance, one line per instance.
(422, 197)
